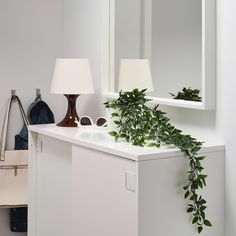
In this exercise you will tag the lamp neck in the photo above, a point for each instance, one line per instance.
(71, 99)
(71, 119)
(71, 110)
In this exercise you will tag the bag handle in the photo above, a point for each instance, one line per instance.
(6, 122)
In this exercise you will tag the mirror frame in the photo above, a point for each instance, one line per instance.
(208, 57)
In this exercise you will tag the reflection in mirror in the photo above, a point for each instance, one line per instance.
(138, 69)
(169, 34)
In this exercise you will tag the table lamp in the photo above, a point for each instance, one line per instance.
(135, 74)
(72, 77)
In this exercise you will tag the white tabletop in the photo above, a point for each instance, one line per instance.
(98, 138)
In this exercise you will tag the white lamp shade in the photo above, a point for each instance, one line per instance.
(135, 73)
(72, 76)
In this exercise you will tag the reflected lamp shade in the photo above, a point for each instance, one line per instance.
(135, 73)
(71, 77)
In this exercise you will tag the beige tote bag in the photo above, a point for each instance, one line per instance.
(13, 167)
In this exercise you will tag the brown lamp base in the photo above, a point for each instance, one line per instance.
(71, 119)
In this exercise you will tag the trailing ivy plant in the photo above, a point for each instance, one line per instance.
(142, 125)
(188, 94)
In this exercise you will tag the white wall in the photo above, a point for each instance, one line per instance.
(30, 40)
(226, 114)
(82, 38)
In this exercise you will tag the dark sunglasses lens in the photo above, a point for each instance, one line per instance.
(85, 121)
(101, 122)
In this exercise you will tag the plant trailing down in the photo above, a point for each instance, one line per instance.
(188, 94)
(148, 126)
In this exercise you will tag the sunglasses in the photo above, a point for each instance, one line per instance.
(87, 121)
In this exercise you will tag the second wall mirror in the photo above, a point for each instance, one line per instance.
(176, 36)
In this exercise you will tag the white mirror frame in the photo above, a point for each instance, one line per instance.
(208, 57)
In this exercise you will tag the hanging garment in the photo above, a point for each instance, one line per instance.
(38, 113)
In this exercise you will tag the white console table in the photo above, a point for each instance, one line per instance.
(82, 183)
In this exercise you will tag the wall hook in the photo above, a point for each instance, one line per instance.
(13, 94)
(38, 93)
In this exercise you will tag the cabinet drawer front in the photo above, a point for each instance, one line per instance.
(104, 194)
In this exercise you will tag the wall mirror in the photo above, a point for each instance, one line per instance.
(178, 38)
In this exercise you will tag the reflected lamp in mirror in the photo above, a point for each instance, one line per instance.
(135, 74)
(72, 77)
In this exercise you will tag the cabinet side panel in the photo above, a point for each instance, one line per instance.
(162, 208)
(54, 187)
(32, 185)
(104, 205)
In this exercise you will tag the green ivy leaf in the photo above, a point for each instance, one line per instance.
(190, 209)
(112, 133)
(193, 197)
(200, 184)
(203, 215)
(158, 145)
(207, 223)
(203, 176)
(151, 145)
(199, 229)
(185, 187)
(114, 114)
(186, 194)
(195, 220)
(203, 201)
(201, 158)
(204, 182)
(122, 135)
(117, 122)
(117, 138)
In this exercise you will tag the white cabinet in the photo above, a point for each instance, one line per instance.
(104, 205)
(82, 183)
